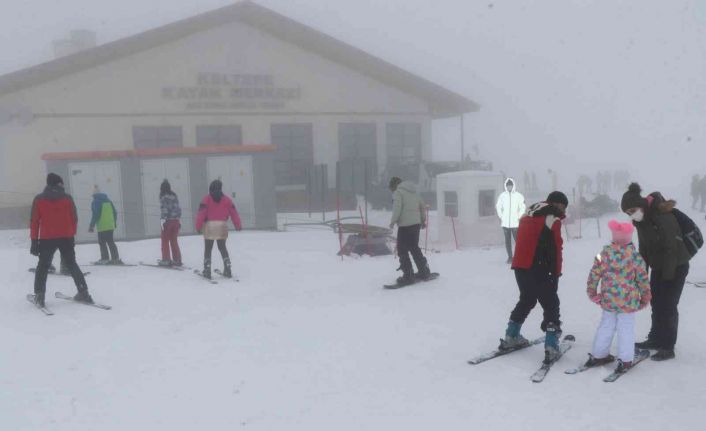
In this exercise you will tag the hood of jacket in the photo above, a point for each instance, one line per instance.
(408, 186)
(100, 197)
(514, 184)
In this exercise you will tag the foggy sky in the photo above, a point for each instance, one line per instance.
(573, 85)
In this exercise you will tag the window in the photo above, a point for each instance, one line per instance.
(157, 137)
(404, 143)
(357, 141)
(295, 152)
(450, 204)
(486, 203)
(219, 135)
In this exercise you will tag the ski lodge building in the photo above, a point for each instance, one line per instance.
(241, 93)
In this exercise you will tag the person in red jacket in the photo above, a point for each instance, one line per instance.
(53, 225)
(537, 265)
(212, 220)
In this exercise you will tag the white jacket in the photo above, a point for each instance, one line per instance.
(510, 206)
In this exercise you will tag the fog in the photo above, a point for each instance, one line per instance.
(574, 86)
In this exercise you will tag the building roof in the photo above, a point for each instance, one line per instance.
(443, 102)
(160, 152)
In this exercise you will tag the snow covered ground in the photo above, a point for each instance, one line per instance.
(308, 341)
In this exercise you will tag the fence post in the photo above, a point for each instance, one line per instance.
(338, 208)
(453, 225)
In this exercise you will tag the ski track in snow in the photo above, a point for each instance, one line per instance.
(307, 341)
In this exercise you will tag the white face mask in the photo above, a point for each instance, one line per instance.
(638, 215)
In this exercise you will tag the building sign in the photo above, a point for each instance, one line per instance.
(222, 91)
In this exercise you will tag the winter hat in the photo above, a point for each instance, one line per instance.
(557, 197)
(622, 232)
(54, 180)
(165, 187)
(394, 182)
(632, 198)
(215, 189)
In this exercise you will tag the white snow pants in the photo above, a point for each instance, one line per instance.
(611, 321)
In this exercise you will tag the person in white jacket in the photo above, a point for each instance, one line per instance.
(510, 207)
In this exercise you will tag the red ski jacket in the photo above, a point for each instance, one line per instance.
(53, 215)
(539, 243)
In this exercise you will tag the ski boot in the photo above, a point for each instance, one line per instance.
(596, 362)
(424, 273)
(206, 268)
(226, 268)
(116, 262)
(407, 277)
(663, 355)
(83, 296)
(513, 339)
(551, 343)
(39, 300)
(164, 262)
(623, 366)
(647, 344)
(102, 262)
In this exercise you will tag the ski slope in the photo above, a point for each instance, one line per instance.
(309, 341)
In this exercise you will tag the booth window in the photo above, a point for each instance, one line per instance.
(450, 204)
(295, 152)
(404, 143)
(219, 135)
(486, 203)
(145, 137)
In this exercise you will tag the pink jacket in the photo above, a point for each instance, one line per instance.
(620, 270)
(210, 210)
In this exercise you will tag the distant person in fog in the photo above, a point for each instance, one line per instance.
(510, 207)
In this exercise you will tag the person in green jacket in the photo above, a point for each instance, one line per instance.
(104, 220)
(409, 214)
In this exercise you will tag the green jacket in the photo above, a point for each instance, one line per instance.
(407, 207)
(660, 236)
(104, 216)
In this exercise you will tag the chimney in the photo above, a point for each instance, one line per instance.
(79, 40)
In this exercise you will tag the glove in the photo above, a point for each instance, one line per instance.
(596, 299)
(90, 229)
(34, 248)
(238, 228)
(162, 222)
(392, 225)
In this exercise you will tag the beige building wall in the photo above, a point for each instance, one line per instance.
(95, 109)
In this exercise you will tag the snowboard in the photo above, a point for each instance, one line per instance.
(34, 270)
(497, 352)
(432, 276)
(640, 356)
(45, 310)
(566, 343)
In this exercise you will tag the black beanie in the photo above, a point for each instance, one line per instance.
(394, 182)
(54, 180)
(632, 198)
(557, 197)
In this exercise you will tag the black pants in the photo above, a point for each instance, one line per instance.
(536, 285)
(665, 300)
(47, 248)
(408, 243)
(105, 241)
(510, 234)
(221, 247)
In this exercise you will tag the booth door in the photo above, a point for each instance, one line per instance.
(153, 173)
(237, 177)
(84, 177)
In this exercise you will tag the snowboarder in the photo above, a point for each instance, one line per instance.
(537, 265)
(212, 219)
(170, 215)
(662, 248)
(510, 207)
(695, 191)
(408, 213)
(625, 289)
(53, 224)
(104, 220)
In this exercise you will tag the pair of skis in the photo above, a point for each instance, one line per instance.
(640, 355)
(215, 271)
(701, 284)
(566, 343)
(59, 295)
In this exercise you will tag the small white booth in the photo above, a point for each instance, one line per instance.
(466, 204)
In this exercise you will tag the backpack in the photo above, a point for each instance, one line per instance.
(691, 234)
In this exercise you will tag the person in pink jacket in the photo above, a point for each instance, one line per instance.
(625, 289)
(212, 220)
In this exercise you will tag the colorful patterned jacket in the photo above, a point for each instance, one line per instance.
(625, 287)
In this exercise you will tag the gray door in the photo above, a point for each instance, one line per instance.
(357, 147)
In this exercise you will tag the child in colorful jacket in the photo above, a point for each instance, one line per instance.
(625, 289)
(212, 219)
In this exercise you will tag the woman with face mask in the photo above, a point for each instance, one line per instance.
(663, 249)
